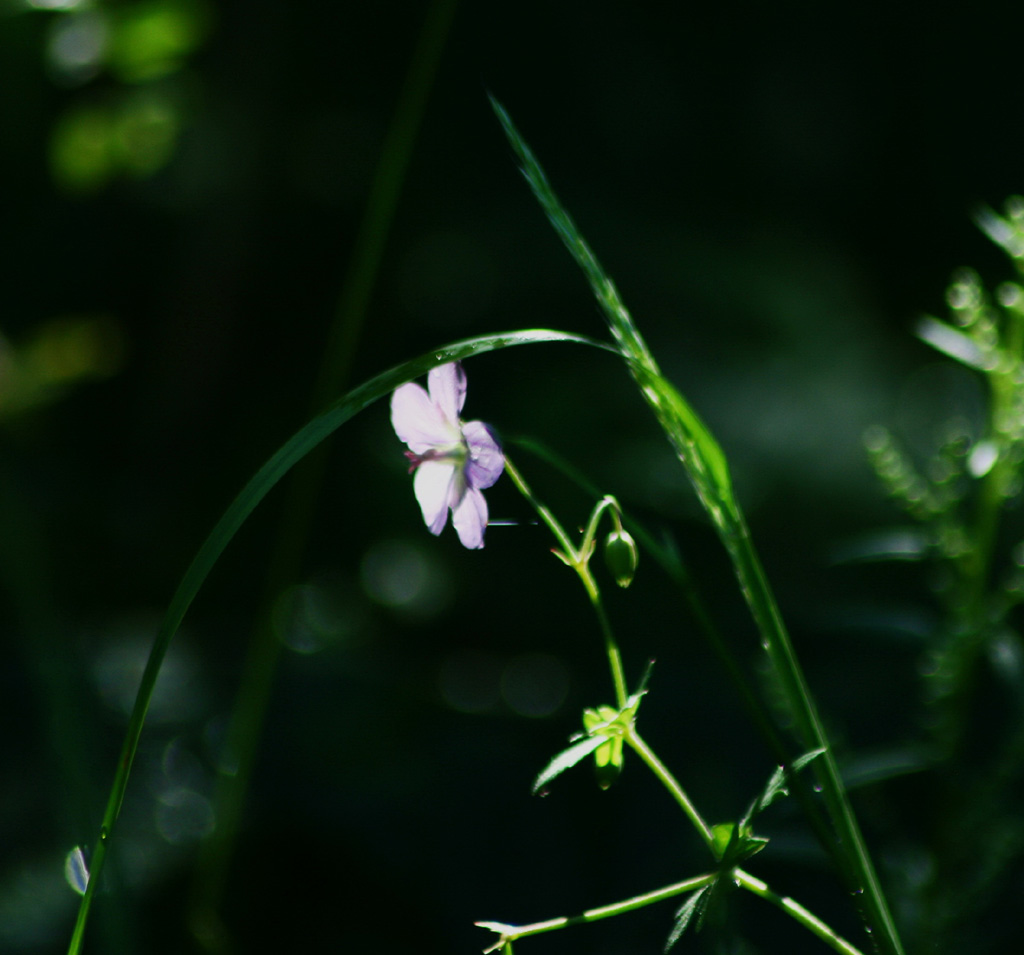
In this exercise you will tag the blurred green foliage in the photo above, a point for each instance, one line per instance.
(128, 58)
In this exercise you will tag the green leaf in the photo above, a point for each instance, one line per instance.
(692, 906)
(599, 718)
(566, 760)
(776, 786)
(736, 842)
(604, 727)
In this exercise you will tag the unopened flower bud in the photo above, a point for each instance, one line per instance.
(621, 556)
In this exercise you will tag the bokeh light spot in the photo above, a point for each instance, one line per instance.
(80, 149)
(77, 46)
(401, 576)
(54, 4)
(145, 132)
(534, 684)
(152, 39)
(183, 816)
(312, 616)
(179, 691)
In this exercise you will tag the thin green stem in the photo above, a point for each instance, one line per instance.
(860, 870)
(639, 746)
(708, 470)
(543, 511)
(611, 649)
(797, 911)
(510, 933)
(744, 879)
(672, 784)
(670, 561)
(578, 558)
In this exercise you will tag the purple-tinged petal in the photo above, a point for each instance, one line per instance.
(470, 519)
(486, 460)
(447, 384)
(418, 421)
(433, 487)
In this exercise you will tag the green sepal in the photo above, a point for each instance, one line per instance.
(608, 762)
(605, 729)
(722, 837)
(734, 844)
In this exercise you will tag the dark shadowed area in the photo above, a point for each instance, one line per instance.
(190, 271)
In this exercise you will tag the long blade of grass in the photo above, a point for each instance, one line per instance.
(706, 466)
(293, 451)
(699, 452)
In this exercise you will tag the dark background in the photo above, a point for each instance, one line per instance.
(778, 191)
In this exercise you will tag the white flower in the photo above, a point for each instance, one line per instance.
(453, 461)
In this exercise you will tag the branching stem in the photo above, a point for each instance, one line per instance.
(578, 558)
(509, 933)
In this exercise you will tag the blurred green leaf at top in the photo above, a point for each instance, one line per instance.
(152, 40)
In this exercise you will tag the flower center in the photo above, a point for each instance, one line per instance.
(449, 454)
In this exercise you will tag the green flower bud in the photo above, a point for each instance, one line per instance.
(621, 556)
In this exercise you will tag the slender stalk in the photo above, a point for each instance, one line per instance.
(788, 905)
(797, 911)
(673, 565)
(672, 785)
(640, 747)
(578, 558)
(543, 511)
(860, 870)
(510, 933)
(612, 650)
(708, 470)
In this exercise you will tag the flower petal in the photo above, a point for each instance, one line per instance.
(419, 422)
(433, 487)
(470, 519)
(486, 461)
(447, 384)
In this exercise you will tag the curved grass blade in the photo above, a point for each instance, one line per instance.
(697, 449)
(293, 451)
(707, 469)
